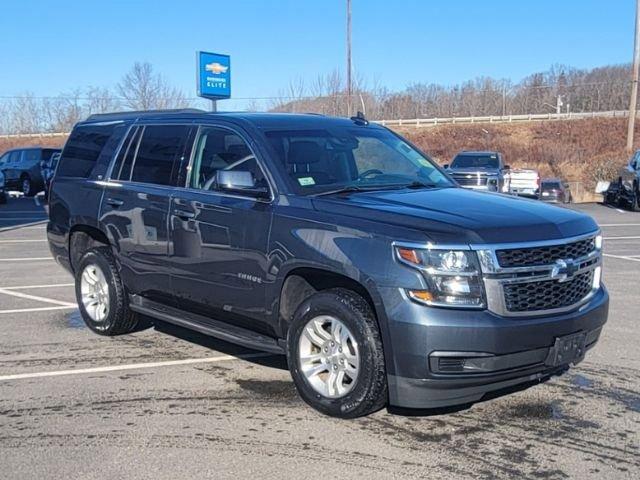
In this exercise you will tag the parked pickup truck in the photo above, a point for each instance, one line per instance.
(479, 171)
(333, 241)
(628, 188)
(523, 182)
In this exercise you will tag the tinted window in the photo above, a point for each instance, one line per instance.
(160, 147)
(4, 159)
(45, 153)
(475, 161)
(83, 149)
(551, 185)
(220, 149)
(31, 156)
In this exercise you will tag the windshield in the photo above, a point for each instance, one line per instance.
(359, 158)
(551, 185)
(475, 161)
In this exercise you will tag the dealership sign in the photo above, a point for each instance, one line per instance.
(214, 75)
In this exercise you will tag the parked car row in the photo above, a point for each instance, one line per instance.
(22, 169)
(487, 171)
(625, 191)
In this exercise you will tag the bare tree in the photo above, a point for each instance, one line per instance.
(142, 89)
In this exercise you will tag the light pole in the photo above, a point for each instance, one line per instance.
(634, 83)
(349, 58)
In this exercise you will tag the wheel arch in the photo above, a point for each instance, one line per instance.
(301, 282)
(82, 237)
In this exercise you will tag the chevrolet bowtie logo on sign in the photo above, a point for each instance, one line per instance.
(214, 75)
(216, 68)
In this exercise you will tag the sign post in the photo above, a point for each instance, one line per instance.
(213, 76)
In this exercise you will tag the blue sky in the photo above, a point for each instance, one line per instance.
(51, 47)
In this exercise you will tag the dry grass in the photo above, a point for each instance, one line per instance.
(577, 150)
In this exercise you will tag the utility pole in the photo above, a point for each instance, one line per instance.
(634, 82)
(349, 92)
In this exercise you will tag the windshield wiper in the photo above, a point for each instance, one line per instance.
(416, 185)
(355, 188)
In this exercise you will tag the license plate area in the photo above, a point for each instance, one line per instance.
(567, 349)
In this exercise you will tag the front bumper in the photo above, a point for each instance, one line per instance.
(503, 352)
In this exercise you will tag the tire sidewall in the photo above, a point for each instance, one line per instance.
(96, 257)
(360, 327)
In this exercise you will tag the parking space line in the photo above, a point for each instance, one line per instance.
(37, 309)
(25, 259)
(31, 217)
(621, 257)
(26, 226)
(622, 238)
(28, 287)
(24, 241)
(36, 298)
(620, 224)
(134, 366)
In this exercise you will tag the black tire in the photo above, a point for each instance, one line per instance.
(369, 394)
(26, 180)
(634, 204)
(120, 319)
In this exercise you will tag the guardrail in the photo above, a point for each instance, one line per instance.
(532, 117)
(429, 122)
(34, 135)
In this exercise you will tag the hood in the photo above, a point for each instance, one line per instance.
(457, 215)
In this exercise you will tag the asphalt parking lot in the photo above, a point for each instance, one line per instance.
(164, 402)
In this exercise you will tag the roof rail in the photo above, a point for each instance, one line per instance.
(140, 113)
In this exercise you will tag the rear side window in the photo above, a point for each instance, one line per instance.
(82, 150)
(160, 148)
(31, 156)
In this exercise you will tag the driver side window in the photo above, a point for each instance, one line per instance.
(221, 149)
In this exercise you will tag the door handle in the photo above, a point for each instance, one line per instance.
(183, 214)
(114, 202)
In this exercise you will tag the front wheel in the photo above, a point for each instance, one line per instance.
(335, 354)
(101, 295)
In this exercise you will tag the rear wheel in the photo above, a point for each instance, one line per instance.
(335, 355)
(101, 295)
(635, 201)
(26, 186)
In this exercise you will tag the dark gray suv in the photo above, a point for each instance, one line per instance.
(22, 171)
(331, 240)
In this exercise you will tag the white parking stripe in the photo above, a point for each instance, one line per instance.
(622, 238)
(622, 257)
(32, 217)
(620, 224)
(36, 309)
(27, 226)
(25, 259)
(134, 366)
(24, 241)
(27, 287)
(36, 298)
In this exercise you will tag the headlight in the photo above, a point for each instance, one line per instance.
(1, 179)
(453, 276)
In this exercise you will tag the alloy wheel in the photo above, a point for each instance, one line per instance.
(328, 356)
(95, 293)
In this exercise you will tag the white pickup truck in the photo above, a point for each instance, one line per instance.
(524, 182)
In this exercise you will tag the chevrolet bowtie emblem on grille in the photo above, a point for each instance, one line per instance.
(564, 270)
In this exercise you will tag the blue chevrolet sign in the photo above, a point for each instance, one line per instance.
(214, 75)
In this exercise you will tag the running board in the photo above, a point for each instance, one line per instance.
(207, 326)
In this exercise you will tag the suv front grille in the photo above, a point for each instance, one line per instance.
(547, 294)
(533, 256)
(474, 180)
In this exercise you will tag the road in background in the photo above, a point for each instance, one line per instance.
(165, 402)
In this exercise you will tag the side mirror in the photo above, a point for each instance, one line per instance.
(241, 182)
(445, 166)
